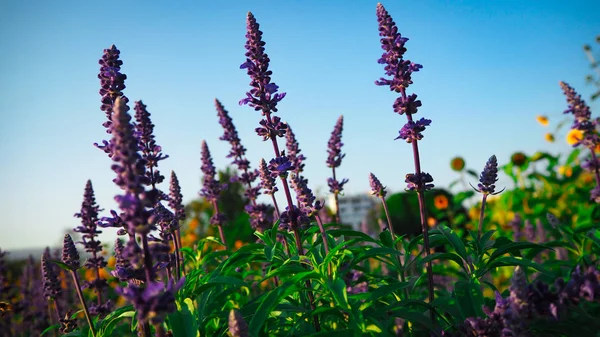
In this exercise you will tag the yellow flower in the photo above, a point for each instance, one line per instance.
(431, 221)
(549, 137)
(542, 120)
(574, 136)
(566, 171)
(457, 164)
(238, 244)
(440, 201)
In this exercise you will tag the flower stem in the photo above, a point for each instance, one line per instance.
(393, 234)
(82, 300)
(337, 201)
(480, 224)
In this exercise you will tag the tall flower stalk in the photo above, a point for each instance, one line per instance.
(176, 204)
(399, 77)
(211, 190)
(378, 190)
(70, 259)
(89, 230)
(588, 129)
(334, 160)
(487, 187)
(263, 97)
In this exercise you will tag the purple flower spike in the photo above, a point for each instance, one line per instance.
(304, 195)
(421, 179)
(151, 152)
(411, 131)
(230, 135)
(112, 82)
(407, 104)
(280, 166)
(130, 170)
(396, 67)
(294, 150)
(334, 146)
(70, 255)
(267, 181)
(275, 128)
(261, 216)
(335, 186)
(237, 325)
(176, 198)
(50, 280)
(152, 302)
(577, 107)
(263, 96)
(377, 188)
(212, 188)
(488, 177)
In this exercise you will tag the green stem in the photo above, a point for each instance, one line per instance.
(82, 300)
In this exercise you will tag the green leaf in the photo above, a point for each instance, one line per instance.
(469, 298)
(387, 289)
(455, 241)
(50, 328)
(107, 325)
(183, 321)
(513, 247)
(572, 157)
(446, 256)
(386, 238)
(338, 290)
(348, 233)
(272, 298)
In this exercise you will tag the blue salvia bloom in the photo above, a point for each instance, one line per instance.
(237, 151)
(396, 67)
(237, 324)
(261, 216)
(263, 96)
(150, 151)
(280, 166)
(377, 188)
(49, 280)
(411, 131)
(112, 84)
(70, 255)
(305, 196)
(421, 179)
(271, 128)
(334, 145)
(488, 177)
(176, 198)
(583, 118)
(267, 181)
(212, 188)
(152, 302)
(293, 150)
(136, 202)
(123, 269)
(516, 223)
(578, 108)
(91, 243)
(336, 186)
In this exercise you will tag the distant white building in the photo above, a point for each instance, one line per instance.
(353, 208)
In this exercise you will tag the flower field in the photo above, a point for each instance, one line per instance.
(488, 260)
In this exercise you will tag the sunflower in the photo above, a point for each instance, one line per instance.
(457, 164)
(440, 201)
(574, 136)
(542, 120)
(518, 158)
(549, 137)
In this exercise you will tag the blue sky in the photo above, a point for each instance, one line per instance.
(488, 69)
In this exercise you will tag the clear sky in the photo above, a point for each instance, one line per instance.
(489, 67)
